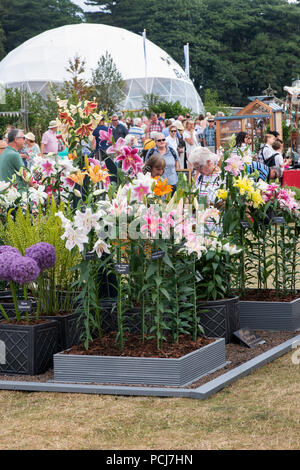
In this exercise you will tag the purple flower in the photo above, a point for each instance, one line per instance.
(43, 253)
(7, 248)
(24, 269)
(6, 260)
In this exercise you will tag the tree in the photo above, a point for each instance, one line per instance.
(2, 43)
(41, 110)
(169, 108)
(212, 103)
(24, 19)
(2, 34)
(108, 84)
(237, 47)
(77, 87)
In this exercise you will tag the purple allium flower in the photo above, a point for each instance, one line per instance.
(6, 248)
(24, 269)
(43, 253)
(6, 259)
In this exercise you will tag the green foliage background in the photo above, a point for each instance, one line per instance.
(237, 47)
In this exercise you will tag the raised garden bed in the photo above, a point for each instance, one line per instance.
(77, 365)
(269, 312)
(241, 362)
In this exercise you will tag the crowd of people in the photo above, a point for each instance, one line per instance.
(166, 145)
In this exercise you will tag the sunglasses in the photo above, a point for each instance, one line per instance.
(173, 131)
(161, 140)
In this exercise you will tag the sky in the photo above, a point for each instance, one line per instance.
(81, 4)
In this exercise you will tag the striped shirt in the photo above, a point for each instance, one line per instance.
(263, 170)
(208, 186)
(139, 134)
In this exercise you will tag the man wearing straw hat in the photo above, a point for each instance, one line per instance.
(49, 141)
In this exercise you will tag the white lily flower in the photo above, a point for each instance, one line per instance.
(4, 185)
(38, 195)
(74, 237)
(100, 247)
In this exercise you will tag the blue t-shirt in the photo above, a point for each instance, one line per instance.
(170, 172)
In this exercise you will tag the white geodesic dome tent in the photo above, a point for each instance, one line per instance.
(44, 58)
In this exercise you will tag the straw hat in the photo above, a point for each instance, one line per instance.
(52, 124)
(30, 136)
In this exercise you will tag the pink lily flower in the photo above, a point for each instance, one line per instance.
(116, 148)
(107, 136)
(140, 191)
(130, 159)
(48, 168)
(93, 162)
(234, 165)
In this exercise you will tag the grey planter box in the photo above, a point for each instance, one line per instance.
(273, 316)
(69, 330)
(219, 318)
(27, 349)
(140, 370)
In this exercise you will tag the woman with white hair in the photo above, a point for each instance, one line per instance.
(207, 178)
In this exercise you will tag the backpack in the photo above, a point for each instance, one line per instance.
(151, 152)
(148, 144)
(271, 161)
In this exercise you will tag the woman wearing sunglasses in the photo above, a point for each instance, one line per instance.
(171, 158)
(172, 139)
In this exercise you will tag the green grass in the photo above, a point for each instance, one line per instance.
(257, 412)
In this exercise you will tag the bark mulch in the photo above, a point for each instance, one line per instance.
(268, 295)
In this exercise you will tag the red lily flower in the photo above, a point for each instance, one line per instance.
(89, 107)
(65, 117)
(85, 130)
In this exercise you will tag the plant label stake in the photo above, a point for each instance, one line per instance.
(2, 353)
(122, 268)
(245, 224)
(248, 338)
(157, 255)
(278, 220)
(24, 305)
(90, 255)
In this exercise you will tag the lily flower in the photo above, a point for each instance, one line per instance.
(67, 118)
(130, 159)
(107, 136)
(116, 148)
(78, 177)
(234, 165)
(97, 174)
(162, 187)
(84, 130)
(89, 107)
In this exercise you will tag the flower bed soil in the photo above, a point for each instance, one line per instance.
(235, 355)
(133, 347)
(32, 321)
(268, 295)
